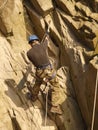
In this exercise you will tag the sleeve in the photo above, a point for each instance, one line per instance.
(24, 55)
(28, 56)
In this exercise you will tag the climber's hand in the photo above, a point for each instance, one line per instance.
(45, 80)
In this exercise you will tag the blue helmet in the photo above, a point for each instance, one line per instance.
(32, 38)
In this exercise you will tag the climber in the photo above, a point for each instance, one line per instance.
(44, 72)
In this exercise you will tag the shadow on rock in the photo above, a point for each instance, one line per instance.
(18, 96)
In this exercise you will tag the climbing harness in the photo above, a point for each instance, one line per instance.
(44, 66)
(94, 105)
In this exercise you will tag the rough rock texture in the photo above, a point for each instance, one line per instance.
(73, 50)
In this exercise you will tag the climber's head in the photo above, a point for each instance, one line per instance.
(33, 38)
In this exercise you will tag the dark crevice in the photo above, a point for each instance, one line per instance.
(15, 124)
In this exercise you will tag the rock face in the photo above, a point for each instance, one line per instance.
(73, 49)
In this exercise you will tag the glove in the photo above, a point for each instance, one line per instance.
(45, 80)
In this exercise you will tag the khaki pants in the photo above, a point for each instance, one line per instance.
(57, 95)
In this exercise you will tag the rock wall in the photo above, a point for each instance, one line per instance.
(73, 49)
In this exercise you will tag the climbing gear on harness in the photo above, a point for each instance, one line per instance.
(46, 74)
(32, 38)
(31, 97)
(47, 79)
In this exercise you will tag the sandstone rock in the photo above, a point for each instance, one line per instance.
(83, 9)
(41, 6)
(37, 20)
(94, 16)
(5, 11)
(73, 28)
(90, 91)
(67, 6)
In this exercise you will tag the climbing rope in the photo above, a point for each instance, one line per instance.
(47, 31)
(46, 106)
(94, 106)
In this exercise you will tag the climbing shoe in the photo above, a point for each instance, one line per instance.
(56, 109)
(31, 97)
